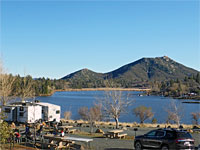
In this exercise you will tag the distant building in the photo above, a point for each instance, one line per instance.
(30, 112)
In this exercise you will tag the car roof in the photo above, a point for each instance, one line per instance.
(172, 129)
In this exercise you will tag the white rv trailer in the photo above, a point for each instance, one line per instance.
(50, 112)
(30, 112)
(22, 112)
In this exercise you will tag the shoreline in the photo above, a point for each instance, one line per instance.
(105, 89)
(115, 89)
(97, 89)
(132, 124)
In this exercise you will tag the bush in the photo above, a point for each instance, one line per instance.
(67, 115)
(154, 121)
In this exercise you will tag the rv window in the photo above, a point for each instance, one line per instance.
(21, 109)
(21, 114)
(57, 111)
(7, 110)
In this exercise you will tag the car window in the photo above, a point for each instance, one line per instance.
(160, 133)
(183, 135)
(152, 133)
(169, 135)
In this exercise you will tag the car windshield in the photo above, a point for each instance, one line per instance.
(183, 135)
(160, 133)
(151, 133)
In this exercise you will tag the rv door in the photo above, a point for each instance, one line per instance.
(14, 114)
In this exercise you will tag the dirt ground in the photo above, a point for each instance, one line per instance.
(19, 147)
(102, 143)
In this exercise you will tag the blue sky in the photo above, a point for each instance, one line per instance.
(55, 38)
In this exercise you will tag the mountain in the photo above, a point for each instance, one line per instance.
(84, 73)
(159, 69)
(137, 73)
(85, 78)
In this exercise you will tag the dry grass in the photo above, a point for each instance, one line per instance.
(99, 135)
(129, 137)
(18, 147)
(134, 124)
(87, 134)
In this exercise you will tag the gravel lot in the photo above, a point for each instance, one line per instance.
(102, 143)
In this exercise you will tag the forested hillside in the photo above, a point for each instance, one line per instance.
(162, 74)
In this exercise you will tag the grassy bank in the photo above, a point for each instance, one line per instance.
(128, 124)
(96, 89)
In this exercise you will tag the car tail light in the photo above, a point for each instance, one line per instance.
(184, 140)
(179, 140)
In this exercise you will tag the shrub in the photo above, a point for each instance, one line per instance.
(154, 121)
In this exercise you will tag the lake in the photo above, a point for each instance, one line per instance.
(73, 100)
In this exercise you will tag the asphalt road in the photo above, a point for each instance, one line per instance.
(121, 144)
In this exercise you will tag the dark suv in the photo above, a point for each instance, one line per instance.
(165, 139)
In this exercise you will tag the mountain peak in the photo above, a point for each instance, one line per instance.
(152, 69)
(85, 70)
(165, 58)
(154, 58)
(140, 71)
(83, 73)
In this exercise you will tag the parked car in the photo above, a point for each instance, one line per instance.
(198, 147)
(165, 139)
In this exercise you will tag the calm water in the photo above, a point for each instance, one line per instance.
(73, 100)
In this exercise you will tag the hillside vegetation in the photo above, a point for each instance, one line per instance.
(161, 74)
(141, 73)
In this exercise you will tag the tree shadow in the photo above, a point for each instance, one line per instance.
(100, 137)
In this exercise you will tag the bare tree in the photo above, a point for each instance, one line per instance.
(67, 115)
(91, 115)
(195, 117)
(26, 90)
(84, 113)
(143, 113)
(114, 104)
(174, 111)
(95, 113)
(6, 82)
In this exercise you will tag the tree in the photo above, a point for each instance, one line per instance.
(114, 104)
(67, 115)
(91, 115)
(26, 89)
(154, 121)
(198, 78)
(5, 131)
(6, 83)
(195, 117)
(143, 113)
(174, 111)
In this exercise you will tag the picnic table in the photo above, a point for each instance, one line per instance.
(66, 129)
(80, 140)
(64, 142)
(115, 134)
(58, 142)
